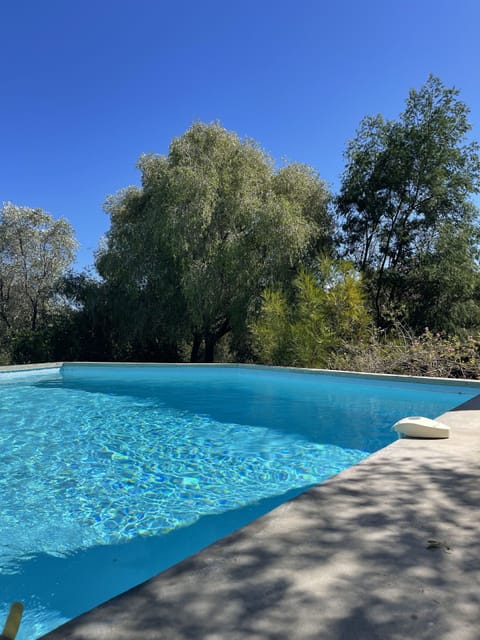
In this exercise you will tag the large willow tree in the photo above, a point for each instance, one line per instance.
(213, 224)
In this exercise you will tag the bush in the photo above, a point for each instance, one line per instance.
(430, 354)
(328, 308)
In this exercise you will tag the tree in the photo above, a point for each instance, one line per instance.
(442, 287)
(327, 311)
(403, 181)
(35, 252)
(212, 226)
(101, 323)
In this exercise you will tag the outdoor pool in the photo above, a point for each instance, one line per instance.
(112, 473)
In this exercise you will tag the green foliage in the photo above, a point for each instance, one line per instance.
(100, 325)
(213, 225)
(442, 288)
(35, 251)
(327, 310)
(345, 300)
(272, 329)
(311, 332)
(403, 181)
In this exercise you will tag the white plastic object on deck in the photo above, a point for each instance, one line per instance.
(420, 427)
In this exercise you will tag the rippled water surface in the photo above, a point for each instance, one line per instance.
(110, 475)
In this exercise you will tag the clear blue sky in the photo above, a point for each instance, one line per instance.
(87, 86)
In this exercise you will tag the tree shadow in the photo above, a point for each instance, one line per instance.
(349, 560)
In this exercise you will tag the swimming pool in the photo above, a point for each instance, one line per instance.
(113, 473)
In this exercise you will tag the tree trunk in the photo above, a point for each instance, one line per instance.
(211, 339)
(210, 342)
(197, 341)
(34, 315)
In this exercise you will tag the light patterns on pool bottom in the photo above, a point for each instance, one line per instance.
(132, 468)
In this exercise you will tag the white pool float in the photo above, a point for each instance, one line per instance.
(420, 427)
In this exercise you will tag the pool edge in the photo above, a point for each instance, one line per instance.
(468, 382)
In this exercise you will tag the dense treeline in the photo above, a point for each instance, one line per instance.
(220, 254)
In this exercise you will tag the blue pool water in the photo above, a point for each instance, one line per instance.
(112, 474)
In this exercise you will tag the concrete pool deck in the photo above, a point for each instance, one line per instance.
(347, 560)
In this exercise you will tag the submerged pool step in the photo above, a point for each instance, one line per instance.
(420, 427)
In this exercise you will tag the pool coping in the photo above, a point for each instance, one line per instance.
(30, 367)
(323, 372)
(347, 560)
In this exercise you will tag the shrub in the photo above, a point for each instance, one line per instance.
(327, 309)
(430, 354)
